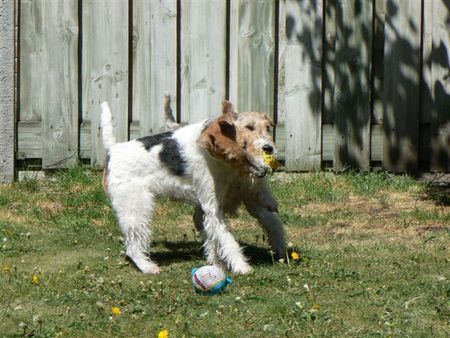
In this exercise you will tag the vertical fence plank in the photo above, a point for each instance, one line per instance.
(31, 59)
(60, 88)
(49, 42)
(401, 85)
(203, 58)
(352, 84)
(440, 86)
(376, 138)
(424, 156)
(252, 44)
(105, 69)
(280, 117)
(377, 61)
(328, 60)
(154, 61)
(7, 119)
(328, 79)
(282, 42)
(304, 22)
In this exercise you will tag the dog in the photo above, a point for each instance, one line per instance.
(216, 164)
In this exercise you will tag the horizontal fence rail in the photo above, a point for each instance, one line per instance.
(348, 83)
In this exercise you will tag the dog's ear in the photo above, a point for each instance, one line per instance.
(228, 107)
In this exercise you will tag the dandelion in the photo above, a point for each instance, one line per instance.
(295, 256)
(315, 307)
(6, 268)
(35, 279)
(116, 310)
(272, 254)
(163, 334)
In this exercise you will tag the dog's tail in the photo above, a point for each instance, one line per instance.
(170, 123)
(107, 128)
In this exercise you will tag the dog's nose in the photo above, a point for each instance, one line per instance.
(267, 148)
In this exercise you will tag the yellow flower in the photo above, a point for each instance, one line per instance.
(116, 310)
(163, 334)
(35, 279)
(315, 307)
(6, 268)
(295, 256)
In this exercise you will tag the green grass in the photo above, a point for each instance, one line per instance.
(374, 262)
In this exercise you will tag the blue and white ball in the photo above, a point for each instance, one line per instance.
(210, 279)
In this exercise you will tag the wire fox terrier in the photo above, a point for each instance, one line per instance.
(216, 164)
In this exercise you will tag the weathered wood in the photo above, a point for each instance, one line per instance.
(377, 61)
(282, 42)
(154, 61)
(31, 102)
(59, 50)
(328, 61)
(409, 122)
(252, 46)
(401, 94)
(7, 120)
(352, 84)
(105, 69)
(327, 142)
(203, 58)
(280, 117)
(49, 42)
(376, 143)
(440, 86)
(85, 137)
(303, 84)
(29, 140)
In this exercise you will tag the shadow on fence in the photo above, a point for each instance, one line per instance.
(415, 105)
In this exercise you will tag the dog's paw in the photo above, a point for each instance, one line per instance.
(242, 269)
(152, 269)
(146, 266)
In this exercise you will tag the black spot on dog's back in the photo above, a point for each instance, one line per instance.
(153, 140)
(171, 156)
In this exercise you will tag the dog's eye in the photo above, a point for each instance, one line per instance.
(245, 145)
(250, 127)
(268, 129)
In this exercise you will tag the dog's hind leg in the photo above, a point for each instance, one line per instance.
(134, 208)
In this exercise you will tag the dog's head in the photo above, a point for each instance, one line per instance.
(243, 140)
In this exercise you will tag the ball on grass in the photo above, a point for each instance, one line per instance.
(210, 279)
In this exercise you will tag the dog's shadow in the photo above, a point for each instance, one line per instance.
(192, 251)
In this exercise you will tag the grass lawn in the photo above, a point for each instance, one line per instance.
(374, 261)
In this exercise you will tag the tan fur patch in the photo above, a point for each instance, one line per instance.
(220, 139)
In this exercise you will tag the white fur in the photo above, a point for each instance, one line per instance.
(136, 177)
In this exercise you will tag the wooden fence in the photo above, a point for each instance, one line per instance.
(349, 83)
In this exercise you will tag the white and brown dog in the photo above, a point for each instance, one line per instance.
(216, 164)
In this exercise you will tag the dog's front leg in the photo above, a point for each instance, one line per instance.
(210, 249)
(262, 193)
(271, 223)
(226, 247)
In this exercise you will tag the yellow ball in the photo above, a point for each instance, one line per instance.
(270, 160)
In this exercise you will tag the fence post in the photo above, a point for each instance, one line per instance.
(7, 127)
